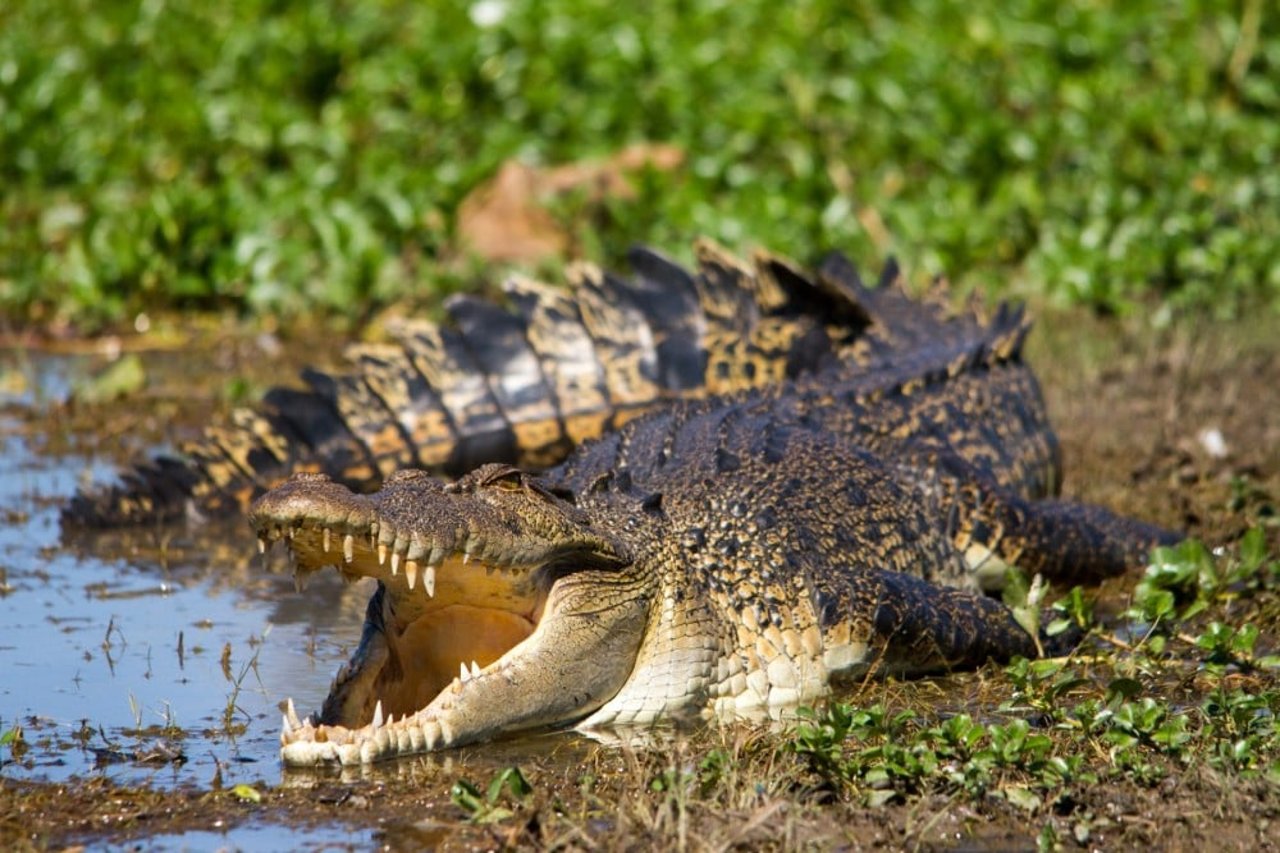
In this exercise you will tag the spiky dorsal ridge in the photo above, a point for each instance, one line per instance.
(528, 383)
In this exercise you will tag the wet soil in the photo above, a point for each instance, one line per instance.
(1179, 426)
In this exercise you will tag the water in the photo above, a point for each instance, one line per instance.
(155, 657)
(252, 836)
(161, 657)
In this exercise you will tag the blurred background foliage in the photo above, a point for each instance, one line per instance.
(299, 157)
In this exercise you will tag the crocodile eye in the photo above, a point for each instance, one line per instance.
(509, 484)
(505, 477)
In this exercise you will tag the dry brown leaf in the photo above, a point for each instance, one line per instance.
(506, 218)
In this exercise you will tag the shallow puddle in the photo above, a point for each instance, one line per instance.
(253, 836)
(157, 656)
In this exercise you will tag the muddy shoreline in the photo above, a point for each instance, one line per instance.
(1179, 426)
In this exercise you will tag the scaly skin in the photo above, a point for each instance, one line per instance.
(527, 385)
(725, 558)
(612, 610)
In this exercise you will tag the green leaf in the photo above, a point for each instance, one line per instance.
(1173, 734)
(876, 799)
(515, 782)
(1253, 549)
(466, 796)
(1020, 797)
(247, 793)
(121, 378)
(493, 815)
(1244, 639)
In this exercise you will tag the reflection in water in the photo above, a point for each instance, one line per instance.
(263, 836)
(160, 655)
(149, 644)
(122, 650)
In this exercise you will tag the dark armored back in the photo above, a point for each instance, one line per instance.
(527, 384)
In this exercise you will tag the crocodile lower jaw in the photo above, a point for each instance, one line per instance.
(305, 743)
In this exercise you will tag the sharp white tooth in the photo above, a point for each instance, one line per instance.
(475, 669)
(429, 581)
(382, 554)
(291, 714)
(466, 557)
(377, 715)
(262, 543)
(324, 538)
(411, 572)
(395, 563)
(285, 728)
(348, 548)
(290, 531)
(383, 740)
(464, 675)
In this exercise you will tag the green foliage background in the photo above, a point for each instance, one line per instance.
(268, 155)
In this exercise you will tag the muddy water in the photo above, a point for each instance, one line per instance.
(160, 657)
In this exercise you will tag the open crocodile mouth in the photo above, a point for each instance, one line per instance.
(452, 601)
(441, 616)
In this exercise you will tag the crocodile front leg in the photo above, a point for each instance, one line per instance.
(894, 623)
(1066, 542)
(926, 628)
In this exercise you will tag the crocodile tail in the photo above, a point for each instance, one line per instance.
(522, 385)
(230, 463)
(157, 490)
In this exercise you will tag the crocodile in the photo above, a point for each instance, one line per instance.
(528, 384)
(730, 557)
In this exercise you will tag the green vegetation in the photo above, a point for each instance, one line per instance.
(484, 808)
(307, 157)
(1160, 705)
(247, 793)
(1181, 714)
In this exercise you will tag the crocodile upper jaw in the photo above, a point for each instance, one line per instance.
(427, 626)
